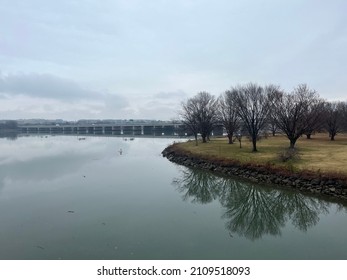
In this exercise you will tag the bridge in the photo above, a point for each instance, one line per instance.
(133, 129)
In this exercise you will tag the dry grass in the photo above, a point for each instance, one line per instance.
(318, 154)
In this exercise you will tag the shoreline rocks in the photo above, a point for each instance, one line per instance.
(317, 185)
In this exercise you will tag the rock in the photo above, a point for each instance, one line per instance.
(330, 182)
(315, 182)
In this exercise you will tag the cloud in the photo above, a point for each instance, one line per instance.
(43, 86)
(52, 87)
(161, 105)
(43, 95)
(148, 50)
(180, 94)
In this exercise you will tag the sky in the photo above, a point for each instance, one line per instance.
(132, 59)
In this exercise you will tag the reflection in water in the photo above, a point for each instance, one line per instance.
(123, 207)
(9, 134)
(203, 187)
(251, 211)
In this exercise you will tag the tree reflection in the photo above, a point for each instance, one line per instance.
(303, 211)
(250, 210)
(201, 186)
(10, 135)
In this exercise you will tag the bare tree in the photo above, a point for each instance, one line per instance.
(344, 116)
(314, 116)
(206, 116)
(227, 113)
(199, 114)
(272, 124)
(274, 92)
(290, 112)
(188, 115)
(334, 118)
(253, 109)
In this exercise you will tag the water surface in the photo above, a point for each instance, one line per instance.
(112, 198)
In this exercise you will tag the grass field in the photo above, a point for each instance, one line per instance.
(318, 154)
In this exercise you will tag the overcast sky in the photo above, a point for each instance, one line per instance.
(139, 59)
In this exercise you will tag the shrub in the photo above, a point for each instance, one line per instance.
(289, 154)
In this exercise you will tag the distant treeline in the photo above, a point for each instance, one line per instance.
(10, 124)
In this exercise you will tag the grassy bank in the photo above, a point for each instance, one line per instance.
(318, 155)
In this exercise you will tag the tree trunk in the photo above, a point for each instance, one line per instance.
(230, 137)
(308, 136)
(332, 137)
(254, 142)
(196, 139)
(203, 138)
(292, 143)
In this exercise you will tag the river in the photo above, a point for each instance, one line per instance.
(90, 197)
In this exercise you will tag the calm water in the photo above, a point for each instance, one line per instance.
(65, 198)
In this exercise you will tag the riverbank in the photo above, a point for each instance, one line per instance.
(266, 169)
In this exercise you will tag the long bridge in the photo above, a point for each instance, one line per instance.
(154, 129)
